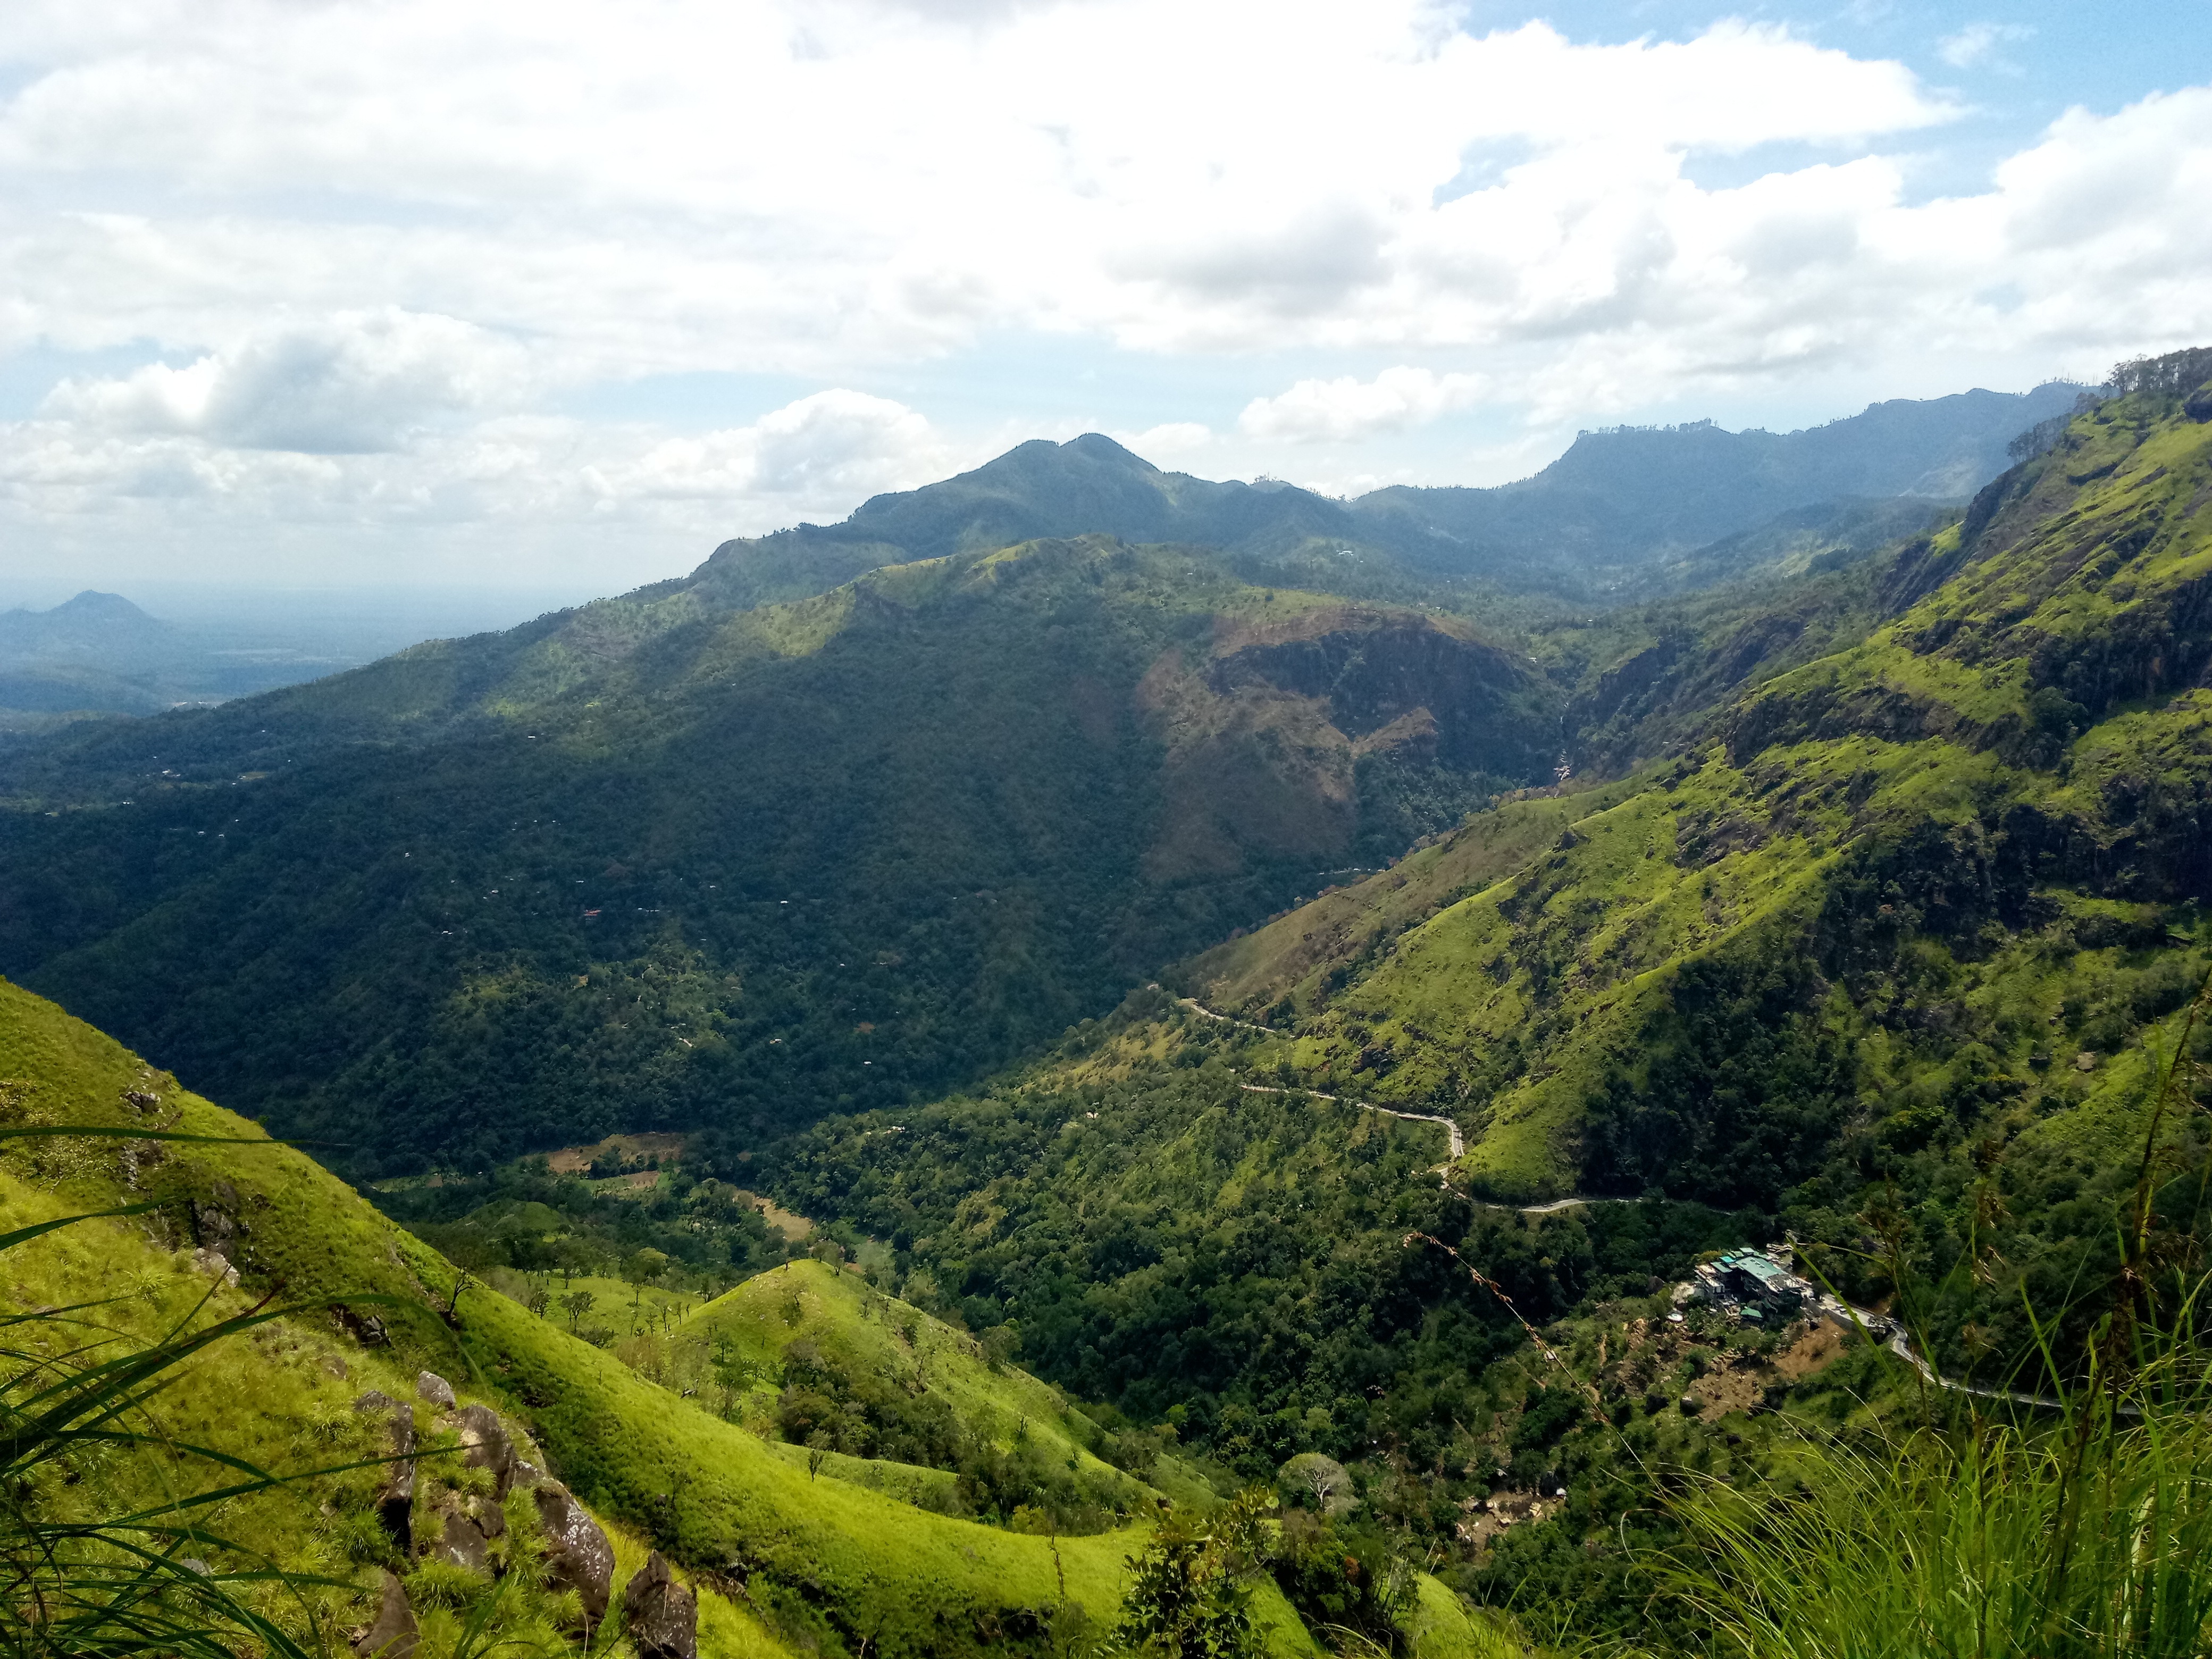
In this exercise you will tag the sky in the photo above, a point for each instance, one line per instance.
(387, 296)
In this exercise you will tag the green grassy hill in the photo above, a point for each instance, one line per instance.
(820, 1354)
(2007, 770)
(789, 1558)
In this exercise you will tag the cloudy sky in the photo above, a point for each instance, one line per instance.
(407, 292)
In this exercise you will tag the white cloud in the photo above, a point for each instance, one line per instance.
(370, 240)
(1169, 441)
(352, 383)
(1348, 410)
(1977, 44)
(775, 184)
(815, 457)
(824, 453)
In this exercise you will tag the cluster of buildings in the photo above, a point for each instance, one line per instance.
(1758, 1287)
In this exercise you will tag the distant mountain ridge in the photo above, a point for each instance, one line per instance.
(1038, 489)
(1624, 496)
(1630, 512)
(843, 843)
(1616, 500)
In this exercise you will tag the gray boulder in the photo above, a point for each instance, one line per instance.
(433, 1388)
(577, 1554)
(462, 1544)
(216, 1222)
(661, 1616)
(395, 1499)
(485, 1445)
(393, 1635)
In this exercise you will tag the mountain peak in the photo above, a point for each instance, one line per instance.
(94, 605)
(92, 622)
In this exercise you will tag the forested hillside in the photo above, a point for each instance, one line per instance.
(1900, 958)
(1854, 913)
(686, 858)
(768, 863)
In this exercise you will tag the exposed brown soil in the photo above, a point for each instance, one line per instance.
(1730, 1388)
(1820, 1347)
(796, 1228)
(571, 1159)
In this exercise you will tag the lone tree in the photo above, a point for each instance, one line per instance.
(646, 1267)
(578, 1303)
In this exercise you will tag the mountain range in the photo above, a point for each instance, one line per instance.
(687, 855)
(1616, 503)
(1266, 1065)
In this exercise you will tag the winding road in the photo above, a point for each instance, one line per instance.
(1899, 1344)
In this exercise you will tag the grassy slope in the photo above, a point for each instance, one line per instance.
(2080, 576)
(279, 1397)
(1289, 956)
(818, 1556)
(864, 1331)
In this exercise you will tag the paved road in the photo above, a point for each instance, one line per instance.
(1458, 1141)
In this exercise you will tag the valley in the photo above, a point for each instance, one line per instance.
(1090, 1054)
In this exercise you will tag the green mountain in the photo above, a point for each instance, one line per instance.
(740, 850)
(524, 1510)
(652, 864)
(2006, 762)
(1865, 924)
(1900, 954)
(1616, 504)
(1089, 485)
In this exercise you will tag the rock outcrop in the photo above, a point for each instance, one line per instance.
(462, 1544)
(395, 1500)
(659, 1616)
(485, 1445)
(577, 1554)
(434, 1389)
(393, 1635)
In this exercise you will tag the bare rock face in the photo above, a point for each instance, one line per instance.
(661, 1616)
(577, 1554)
(434, 1388)
(395, 1502)
(216, 1221)
(462, 1544)
(485, 1445)
(393, 1635)
(366, 1328)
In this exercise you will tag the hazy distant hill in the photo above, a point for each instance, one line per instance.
(99, 654)
(1623, 497)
